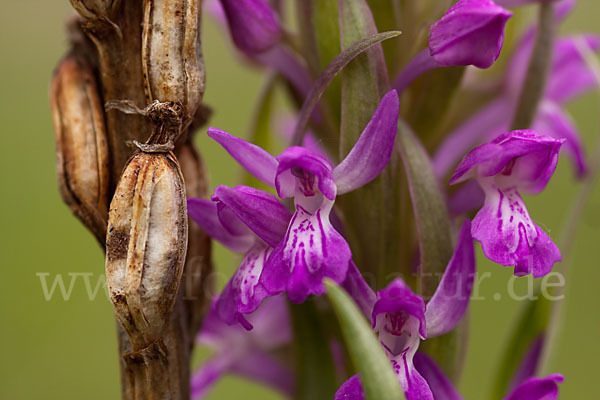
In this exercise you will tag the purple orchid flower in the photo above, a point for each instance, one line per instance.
(249, 354)
(532, 389)
(311, 248)
(518, 161)
(470, 33)
(248, 221)
(570, 77)
(402, 319)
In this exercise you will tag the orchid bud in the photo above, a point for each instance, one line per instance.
(470, 33)
(253, 24)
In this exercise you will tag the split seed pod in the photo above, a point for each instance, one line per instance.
(146, 244)
(81, 144)
(171, 53)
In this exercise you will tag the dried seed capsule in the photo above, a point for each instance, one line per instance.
(81, 144)
(171, 53)
(96, 9)
(146, 244)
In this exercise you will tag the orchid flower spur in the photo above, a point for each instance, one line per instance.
(247, 221)
(518, 161)
(470, 33)
(570, 77)
(246, 353)
(402, 319)
(531, 389)
(311, 248)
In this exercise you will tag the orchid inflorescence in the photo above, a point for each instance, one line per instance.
(367, 201)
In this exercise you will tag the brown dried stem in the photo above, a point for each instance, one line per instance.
(108, 37)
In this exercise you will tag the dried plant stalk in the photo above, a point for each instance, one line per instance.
(81, 145)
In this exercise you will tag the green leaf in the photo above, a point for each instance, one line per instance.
(434, 235)
(365, 80)
(316, 369)
(320, 34)
(332, 70)
(378, 379)
(434, 229)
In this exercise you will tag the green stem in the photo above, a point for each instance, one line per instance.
(538, 70)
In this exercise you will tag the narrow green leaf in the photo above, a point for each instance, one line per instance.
(434, 235)
(332, 70)
(316, 369)
(434, 229)
(377, 376)
(364, 80)
(320, 33)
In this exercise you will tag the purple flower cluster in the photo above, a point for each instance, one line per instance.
(291, 248)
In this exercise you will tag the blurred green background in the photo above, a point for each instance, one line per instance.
(67, 349)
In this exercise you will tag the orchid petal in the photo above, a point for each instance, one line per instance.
(204, 213)
(525, 160)
(398, 298)
(244, 293)
(571, 75)
(359, 290)
(438, 382)
(350, 390)
(451, 299)
(204, 378)
(373, 148)
(538, 389)
(311, 251)
(315, 170)
(555, 122)
(252, 23)
(254, 159)
(509, 236)
(262, 212)
(470, 33)
(414, 385)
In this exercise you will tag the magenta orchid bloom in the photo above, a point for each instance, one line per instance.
(246, 353)
(531, 389)
(247, 221)
(402, 319)
(570, 77)
(311, 248)
(470, 33)
(518, 161)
